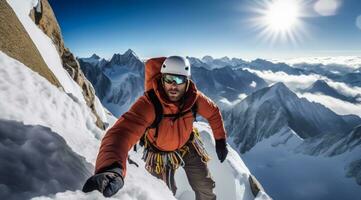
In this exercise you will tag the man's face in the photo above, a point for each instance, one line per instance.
(173, 90)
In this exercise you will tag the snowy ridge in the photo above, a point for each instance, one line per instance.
(45, 46)
(272, 130)
(321, 86)
(269, 110)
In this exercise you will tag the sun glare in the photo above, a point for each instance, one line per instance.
(281, 15)
(279, 20)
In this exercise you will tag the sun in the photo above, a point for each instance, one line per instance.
(281, 15)
(279, 20)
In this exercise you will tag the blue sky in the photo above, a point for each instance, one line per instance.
(202, 27)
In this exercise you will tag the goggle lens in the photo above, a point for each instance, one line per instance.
(178, 79)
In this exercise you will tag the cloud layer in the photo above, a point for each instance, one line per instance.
(352, 62)
(338, 106)
(298, 83)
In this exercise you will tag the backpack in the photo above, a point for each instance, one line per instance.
(152, 70)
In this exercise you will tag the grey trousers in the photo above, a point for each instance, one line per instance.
(198, 176)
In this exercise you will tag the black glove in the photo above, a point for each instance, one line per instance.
(221, 149)
(108, 182)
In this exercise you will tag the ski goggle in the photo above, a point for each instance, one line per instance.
(178, 79)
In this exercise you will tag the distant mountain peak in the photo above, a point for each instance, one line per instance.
(95, 56)
(321, 86)
(259, 60)
(225, 59)
(129, 52)
(280, 86)
(320, 82)
(207, 58)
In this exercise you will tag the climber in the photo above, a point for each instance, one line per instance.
(162, 119)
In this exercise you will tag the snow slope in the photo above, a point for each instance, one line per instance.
(286, 174)
(28, 97)
(231, 179)
(42, 161)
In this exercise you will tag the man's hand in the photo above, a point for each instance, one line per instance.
(108, 183)
(221, 149)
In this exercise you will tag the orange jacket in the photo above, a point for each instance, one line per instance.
(130, 127)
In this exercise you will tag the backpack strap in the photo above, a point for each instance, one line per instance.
(158, 110)
(194, 111)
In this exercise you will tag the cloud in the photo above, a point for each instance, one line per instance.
(327, 7)
(352, 62)
(344, 88)
(232, 103)
(358, 22)
(225, 104)
(338, 106)
(294, 82)
(299, 82)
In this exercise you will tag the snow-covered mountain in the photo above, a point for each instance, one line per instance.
(277, 133)
(226, 82)
(269, 110)
(264, 65)
(288, 171)
(214, 63)
(117, 82)
(352, 79)
(335, 72)
(344, 69)
(321, 87)
(120, 81)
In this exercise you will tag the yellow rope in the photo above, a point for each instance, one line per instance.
(158, 161)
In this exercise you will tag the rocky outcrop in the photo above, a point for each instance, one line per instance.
(47, 22)
(16, 43)
(49, 25)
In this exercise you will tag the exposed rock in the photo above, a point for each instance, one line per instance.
(354, 170)
(15, 42)
(73, 68)
(49, 25)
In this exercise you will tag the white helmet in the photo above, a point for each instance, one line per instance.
(176, 65)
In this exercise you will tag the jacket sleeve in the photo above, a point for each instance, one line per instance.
(120, 138)
(210, 111)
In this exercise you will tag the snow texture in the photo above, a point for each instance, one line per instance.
(286, 174)
(231, 179)
(28, 97)
(36, 161)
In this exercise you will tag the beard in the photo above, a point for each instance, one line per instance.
(174, 94)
